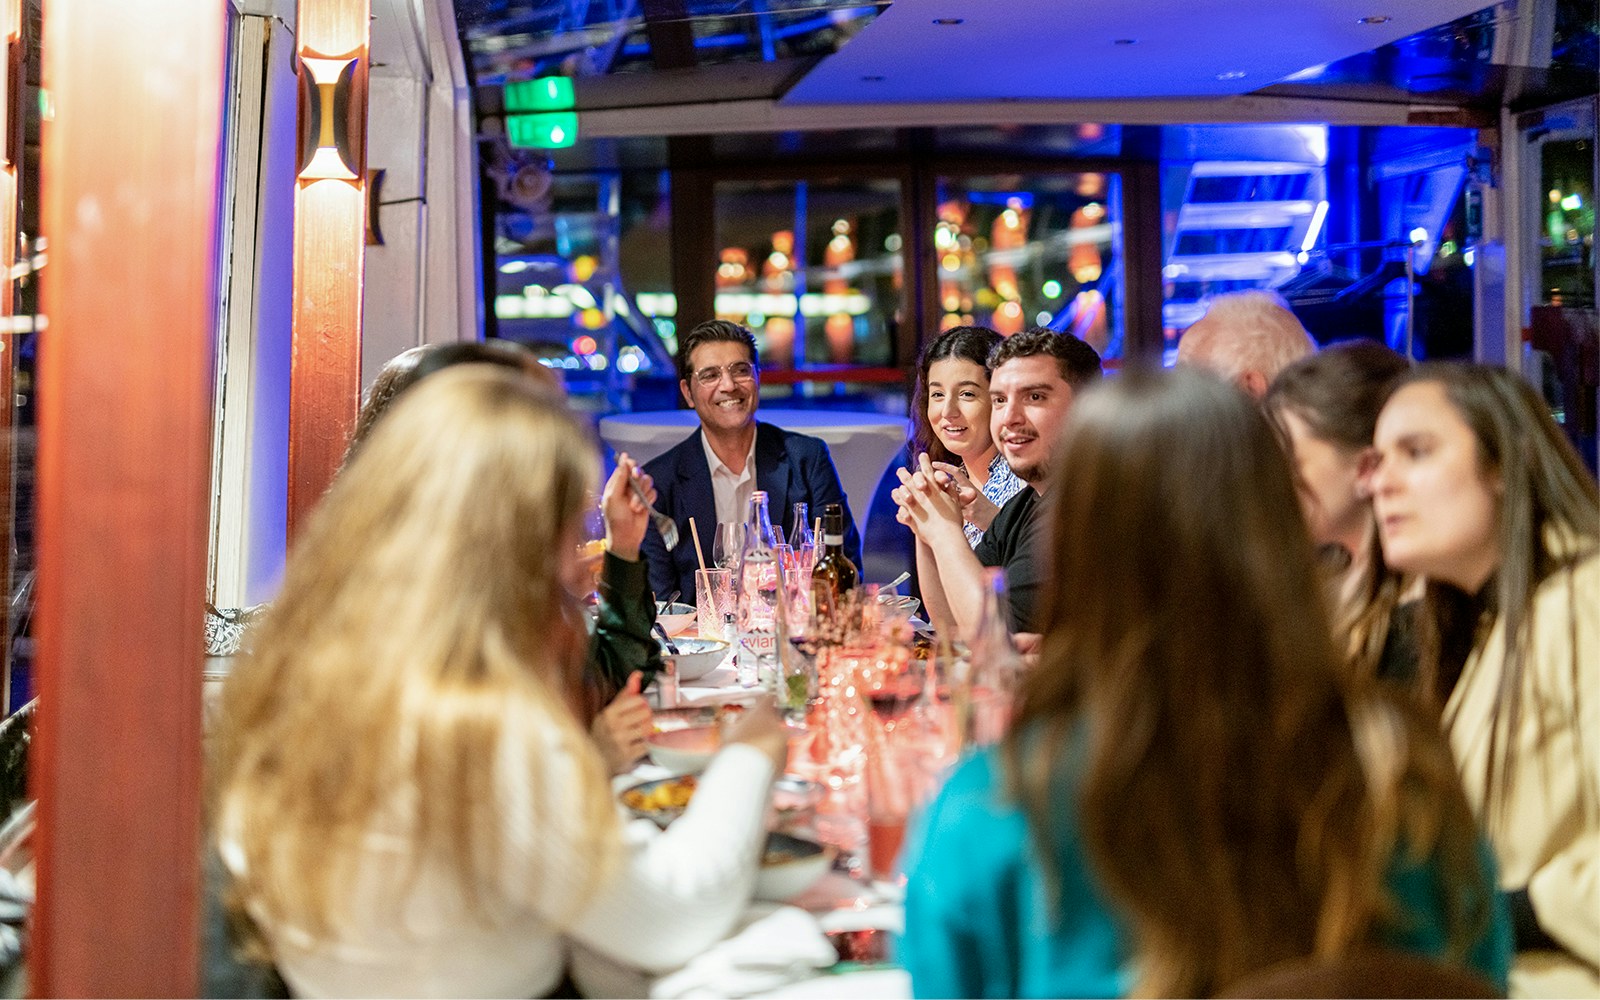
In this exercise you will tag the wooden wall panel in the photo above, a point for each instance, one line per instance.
(329, 248)
(129, 179)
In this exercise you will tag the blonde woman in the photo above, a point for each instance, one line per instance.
(400, 788)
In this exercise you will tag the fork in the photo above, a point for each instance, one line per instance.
(666, 640)
(664, 524)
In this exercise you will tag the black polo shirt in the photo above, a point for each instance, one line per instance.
(1014, 542)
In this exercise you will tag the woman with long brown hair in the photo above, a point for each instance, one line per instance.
(950, 412)
(1478, 489)
(1193, 789)
(1324, 407)
(401, 788)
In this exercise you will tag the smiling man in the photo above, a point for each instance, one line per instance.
(1034, 377)
(711, 473)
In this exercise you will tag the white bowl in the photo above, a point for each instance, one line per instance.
(898, 606)
(696, 657)
(688, 751)
(685, 751)
(675, 618)
(790, 866)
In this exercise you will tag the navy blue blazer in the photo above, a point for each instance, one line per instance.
(791, 468)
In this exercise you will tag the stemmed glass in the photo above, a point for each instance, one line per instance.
(728, 544)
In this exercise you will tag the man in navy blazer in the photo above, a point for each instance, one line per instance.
(711, 473)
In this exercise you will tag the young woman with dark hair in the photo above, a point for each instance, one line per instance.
(1193, 788)
(1478, 489)
(1324, 407)
(950, 422)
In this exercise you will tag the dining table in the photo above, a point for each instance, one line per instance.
(842, 900)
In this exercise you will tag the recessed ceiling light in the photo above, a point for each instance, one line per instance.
(1232, 74)
(949, 20)
(1375, 19)
(874, 78)
(1123, 41)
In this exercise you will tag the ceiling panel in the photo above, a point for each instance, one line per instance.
(980, 50)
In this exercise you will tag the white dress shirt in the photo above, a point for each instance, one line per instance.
(731, 489)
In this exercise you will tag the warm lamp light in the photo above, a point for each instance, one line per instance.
(324, 136)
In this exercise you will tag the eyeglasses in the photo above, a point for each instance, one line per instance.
(739, 371)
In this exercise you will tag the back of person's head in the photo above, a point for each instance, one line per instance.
(711, 332)
(1338, 391)
(1079, 363)
(1247, 338)
(422, 635)
(1190, 701)
(962, 343)
(411, 366)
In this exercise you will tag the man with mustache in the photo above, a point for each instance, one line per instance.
(1034, 377)
(711, 473)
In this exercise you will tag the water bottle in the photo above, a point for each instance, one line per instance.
(760, 578)
(801, 538)
(989, 681)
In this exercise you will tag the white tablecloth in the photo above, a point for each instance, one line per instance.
(862, 444)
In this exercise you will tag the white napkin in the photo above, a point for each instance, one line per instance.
(771, 947)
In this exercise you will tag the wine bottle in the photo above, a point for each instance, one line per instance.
(834, 575)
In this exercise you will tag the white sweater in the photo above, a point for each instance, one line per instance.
(677, 892)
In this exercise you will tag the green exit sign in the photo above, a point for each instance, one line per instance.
(548, 93)
(554, 130)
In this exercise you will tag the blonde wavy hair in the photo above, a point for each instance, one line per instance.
(422, 634)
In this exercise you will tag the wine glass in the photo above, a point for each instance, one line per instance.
(728, 544)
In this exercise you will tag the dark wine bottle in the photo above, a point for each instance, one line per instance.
(834, 575)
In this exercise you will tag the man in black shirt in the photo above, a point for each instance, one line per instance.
(1034, 376)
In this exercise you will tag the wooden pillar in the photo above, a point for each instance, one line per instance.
(329, 237)
(130, 171)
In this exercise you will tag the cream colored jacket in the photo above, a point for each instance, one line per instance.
(1549, 838)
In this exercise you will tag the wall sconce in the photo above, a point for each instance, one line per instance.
(330, 132)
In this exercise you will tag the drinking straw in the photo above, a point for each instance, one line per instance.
(699, 556)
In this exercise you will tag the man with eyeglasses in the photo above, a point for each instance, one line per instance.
(711, 473)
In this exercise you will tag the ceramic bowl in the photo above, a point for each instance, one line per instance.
(790, 866)
(898, 606)
(696, 657)
(675, 618)
(685, 751)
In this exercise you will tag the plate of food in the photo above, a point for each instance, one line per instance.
(661, 800)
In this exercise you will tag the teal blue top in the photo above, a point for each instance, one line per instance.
(978, 922)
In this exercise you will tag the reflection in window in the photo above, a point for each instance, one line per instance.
(812, 267)
(1015, 251)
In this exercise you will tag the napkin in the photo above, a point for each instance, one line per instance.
(771, 947)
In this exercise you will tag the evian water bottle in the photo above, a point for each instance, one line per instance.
(760, 577)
